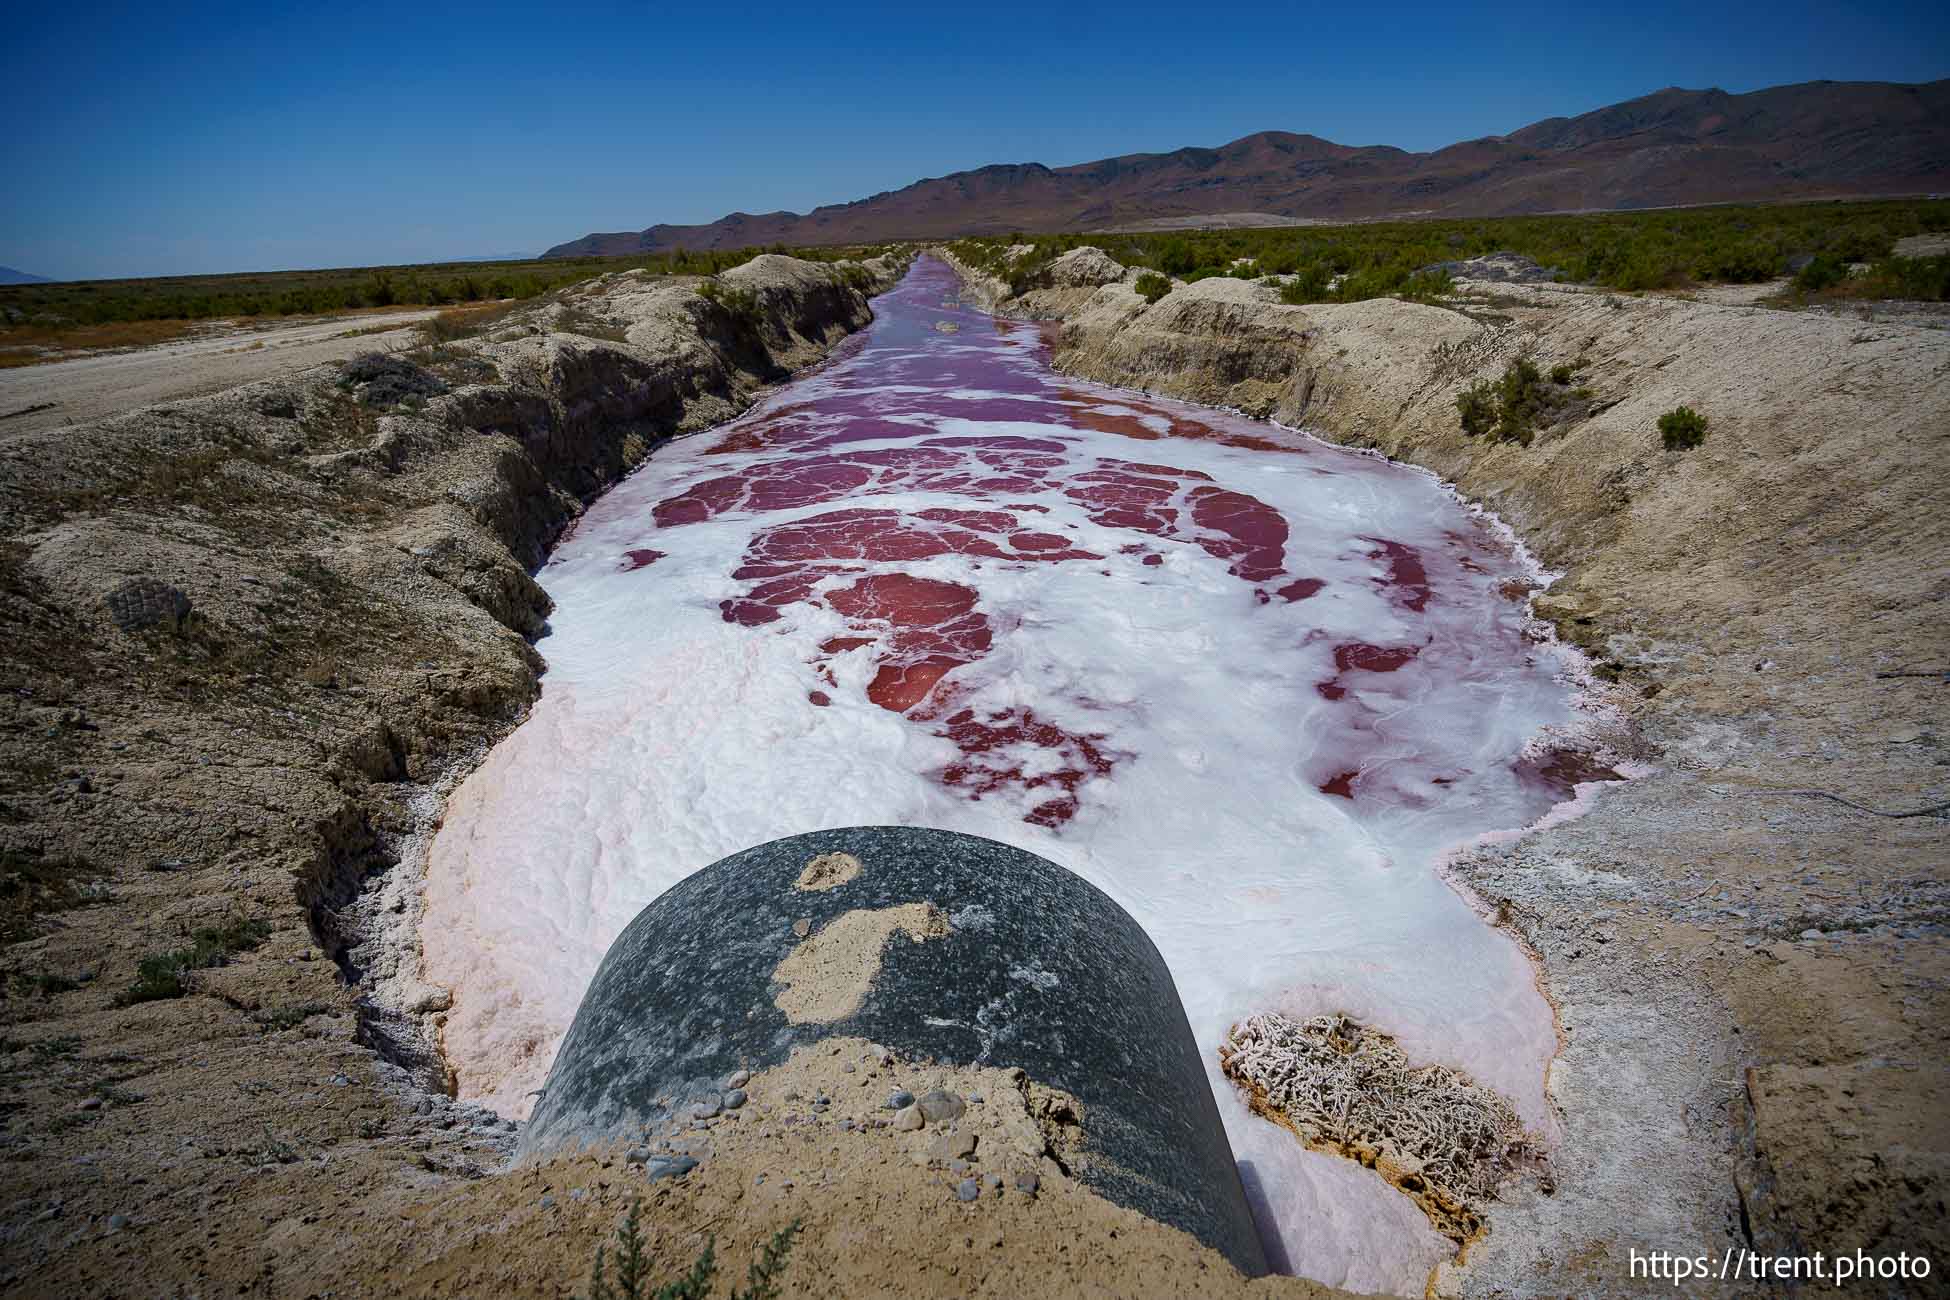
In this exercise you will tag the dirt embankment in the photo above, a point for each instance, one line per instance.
(1750, 965)
(249, 640)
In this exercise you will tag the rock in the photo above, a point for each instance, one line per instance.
(1027, 1182)
(1022, 1135)
(706, 1109)
(908, 1119)
(734, 1099)
(433, 999)
(1503, 268)
(91, 1103)
(802, 927)
(952, 1146)
(940, 1106)
(1084, 268)
(669, 1167)
(276, 404)
(968, 1189)
(738, 1079)
(900, 1099)
(145, 602)
(117, 1222)
(385, 380)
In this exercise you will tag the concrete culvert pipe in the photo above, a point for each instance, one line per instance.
(935, 946)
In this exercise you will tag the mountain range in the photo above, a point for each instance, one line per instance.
(10, 276)
(1675, 147)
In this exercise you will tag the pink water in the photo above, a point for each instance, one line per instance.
(1249, 684)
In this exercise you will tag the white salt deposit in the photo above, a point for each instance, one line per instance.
(1271, 813)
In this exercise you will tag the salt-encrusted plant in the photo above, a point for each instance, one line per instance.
(1439, 1137)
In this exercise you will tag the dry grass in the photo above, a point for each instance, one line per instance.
(30, 345)
(465, 322)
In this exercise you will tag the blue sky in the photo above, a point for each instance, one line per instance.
(160, 139)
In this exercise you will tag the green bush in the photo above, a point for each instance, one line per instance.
(741, 304)
(1425, 286)
(1682, 429)
(1920, 279)
(1511, 408)
(1477, 406)
(1307, 284)
(1821, 273)
(1152, 286)
(160, 975)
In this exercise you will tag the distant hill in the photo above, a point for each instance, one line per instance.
(10, 276)
(1675, 147)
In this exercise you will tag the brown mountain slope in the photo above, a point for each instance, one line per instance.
(1821, 138)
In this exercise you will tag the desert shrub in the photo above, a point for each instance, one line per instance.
(1520, 401)
(1682, 429)
(1922, 279)
(1152, 286)
(463, 322)
(1371, 282)
(740, 304)
(160, 975)
(854, 276)
(1823, 271)
(1477, 406)
(1307, 284)
(1747, 262)
(632, 1281)
(1423, 286)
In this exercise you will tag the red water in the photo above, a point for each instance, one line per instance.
(918, 630)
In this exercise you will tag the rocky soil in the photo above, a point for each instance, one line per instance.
(1747, 947)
